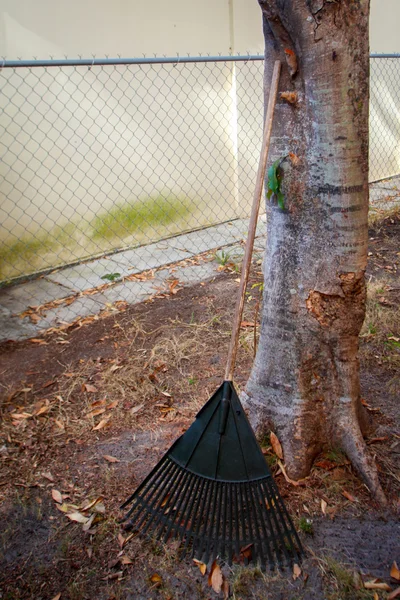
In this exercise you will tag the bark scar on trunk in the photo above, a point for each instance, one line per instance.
(281, 35)
(333, 310)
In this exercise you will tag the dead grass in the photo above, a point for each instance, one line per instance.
(342, 582)
(380, 335)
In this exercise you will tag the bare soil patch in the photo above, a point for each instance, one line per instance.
(87, 411)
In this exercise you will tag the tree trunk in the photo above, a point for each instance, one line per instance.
(305, 379)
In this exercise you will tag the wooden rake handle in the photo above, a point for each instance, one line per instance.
(237, 319)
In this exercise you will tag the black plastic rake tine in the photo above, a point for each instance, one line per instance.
(203, 521)
(176, 526)
(253, 524)
(237, 527)
(218, 521)
(144, 483)
(289, 525)
(225, 493)
(156, 490)
(166, 495)
(191, 515)
(262, 509)
(210, 522)
(281, 518)
(279, 534)
(185, 485)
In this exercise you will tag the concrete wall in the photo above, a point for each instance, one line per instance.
(75, 142)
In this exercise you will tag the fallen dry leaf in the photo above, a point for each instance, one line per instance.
(111, 459)
(112, 404)
(296, 483)
(48, 476)
(225, 589)
(136, 409)
(394, 571)
(377, 585)
(395, 594)
(86, 507)
(57, 597)
(276, 445)
(156, 579)
(102, 424)
(89, 388)
(125, 560)
(56, 495)
(296, 571)
(349, 496)
(121, 540)
(77, 517)
(96, 412)
(89, 522)
(38, 341)
(202, 566)
(324, 506)
(215, 578)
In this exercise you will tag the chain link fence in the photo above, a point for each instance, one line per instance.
(111, 170)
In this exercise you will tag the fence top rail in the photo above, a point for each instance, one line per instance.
(90, 62)
(174, 60)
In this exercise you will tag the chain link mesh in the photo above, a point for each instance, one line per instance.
(138, 166)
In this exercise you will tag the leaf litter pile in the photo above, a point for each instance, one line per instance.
(88, 410)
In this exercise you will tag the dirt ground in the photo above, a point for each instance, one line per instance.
(89, 409)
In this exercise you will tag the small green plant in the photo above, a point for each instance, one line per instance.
(192, 380)
(335, 455)
(306, 526)
(222, 257)
(274, 183)
(112, 276)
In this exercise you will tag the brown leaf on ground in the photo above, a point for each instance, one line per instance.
(102, 424)
(215, 578)
(125, 560)
(246, 552)
(121, 540)
(111, 459)
(48, 476)
(87, 506)
(96, 412)
(87, 387)
(202, 566)
(39, 341)
(136, 409)
(394, 571)
(276, 445)
(324, 506)
(395, 594)
(296, 571)
(57, 597)
(377, 585)
(77, 517)
(57, 496)
(291, 481)
(156, 580)
(225, 589)
(349, 496)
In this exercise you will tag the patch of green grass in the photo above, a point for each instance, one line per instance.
(125, 219)
(344, 584)
(26, 254)
(336, 455)
(306, 526)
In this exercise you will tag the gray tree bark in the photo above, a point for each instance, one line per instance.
(305, 380)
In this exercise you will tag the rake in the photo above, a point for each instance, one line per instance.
(213, 489)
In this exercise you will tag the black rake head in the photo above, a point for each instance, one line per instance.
(214, 491)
